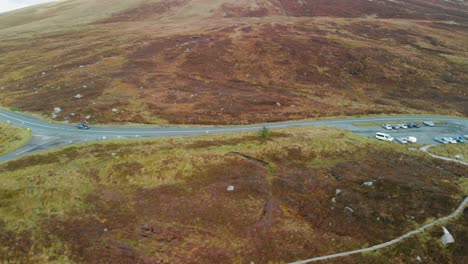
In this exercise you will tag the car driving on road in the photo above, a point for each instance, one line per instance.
(82, 126)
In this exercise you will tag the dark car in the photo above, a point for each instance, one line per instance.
(82, 126)
(459, 139)
(414, 125)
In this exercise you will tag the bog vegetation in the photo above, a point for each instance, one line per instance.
(230, 198)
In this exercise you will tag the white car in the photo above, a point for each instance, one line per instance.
(402, 140)
(451, 140)
(387, 126)
(412, 139)
(429, 123)
(404, 126)
(383, 136)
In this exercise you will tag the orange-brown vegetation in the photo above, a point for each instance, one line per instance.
(293, 198)
(234, 62)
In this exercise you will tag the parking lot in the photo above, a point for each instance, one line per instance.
(424, 134)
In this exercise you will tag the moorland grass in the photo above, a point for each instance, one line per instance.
(177, 183)
(451, 151)
(12, 137)
(58, 181)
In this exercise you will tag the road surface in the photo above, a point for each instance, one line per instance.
(47, 135)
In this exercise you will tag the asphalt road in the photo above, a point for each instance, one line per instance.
(47, 135)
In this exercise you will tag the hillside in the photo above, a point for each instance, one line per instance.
(234, 62)
(304, 192)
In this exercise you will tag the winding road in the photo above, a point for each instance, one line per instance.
(47, 135)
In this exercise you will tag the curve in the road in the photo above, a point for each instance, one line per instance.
(68, 134)
(57, 131)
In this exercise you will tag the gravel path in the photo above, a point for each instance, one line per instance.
(426, 150)
(456, 213)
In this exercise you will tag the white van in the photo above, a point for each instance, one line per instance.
(383, 136)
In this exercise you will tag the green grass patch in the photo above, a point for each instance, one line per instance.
(451, 151)
(12, 137)
(56, 182)
(180, 184)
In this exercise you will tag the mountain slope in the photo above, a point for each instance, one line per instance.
(224, 61)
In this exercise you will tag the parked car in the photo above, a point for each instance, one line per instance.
(404, 126)
(411, 139)
(451, 140)
(383, 136)
(82, 126)
(441, 140)
(402, 140)
(395, 127)
(387, 126)
(429, 123)
(459, 139)
(413, 125)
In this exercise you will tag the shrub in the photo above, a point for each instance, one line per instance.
(264, 132)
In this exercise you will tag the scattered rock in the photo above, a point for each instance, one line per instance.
(447, 238)
(78, 96)
(230, 188)
(115, 110)
(43, 73)
(333, 200)
(278, 104)
(349, 209)
(57, 110)
(418, 258)
(368, 183)
(87, 117)
(72, 114)
(293, 106)
(338, 191)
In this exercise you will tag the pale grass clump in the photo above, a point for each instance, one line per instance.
(12, 137)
